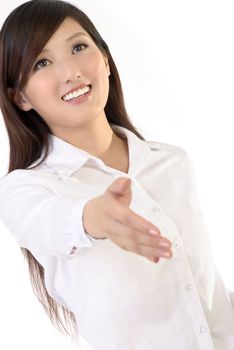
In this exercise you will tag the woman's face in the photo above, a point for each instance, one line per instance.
(63, 65)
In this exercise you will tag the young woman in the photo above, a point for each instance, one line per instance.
(109, 223)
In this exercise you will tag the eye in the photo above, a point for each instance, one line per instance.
(40, 64)
(79, 45)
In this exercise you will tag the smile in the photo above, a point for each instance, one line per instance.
(76, 94)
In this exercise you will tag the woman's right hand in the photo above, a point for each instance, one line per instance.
(109, 216)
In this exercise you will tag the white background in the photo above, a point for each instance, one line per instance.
(175, 60)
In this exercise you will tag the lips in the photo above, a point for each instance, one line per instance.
(76, 88)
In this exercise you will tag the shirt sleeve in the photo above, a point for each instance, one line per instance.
(42, 221)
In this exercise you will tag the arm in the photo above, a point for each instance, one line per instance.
(40, 220)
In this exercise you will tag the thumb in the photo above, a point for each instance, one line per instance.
(121, 188)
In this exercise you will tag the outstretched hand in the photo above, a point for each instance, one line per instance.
(109, 216)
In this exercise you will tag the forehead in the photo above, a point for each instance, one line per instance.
(67, 30)
(69, 24)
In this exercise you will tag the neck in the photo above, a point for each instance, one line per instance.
(95, 137)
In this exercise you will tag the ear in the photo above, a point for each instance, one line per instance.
(19, 99)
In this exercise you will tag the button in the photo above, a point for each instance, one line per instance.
(176, 244)
(188, 287)
(156, 209)
(201, 329)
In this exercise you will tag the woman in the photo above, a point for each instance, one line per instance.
(92, 204)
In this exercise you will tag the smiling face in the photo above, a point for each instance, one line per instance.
(64, 64)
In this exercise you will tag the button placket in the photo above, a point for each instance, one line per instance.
(171, 230)
(188, 287)
(163, 222)
(160, 218)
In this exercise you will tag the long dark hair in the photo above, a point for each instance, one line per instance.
(27, 131)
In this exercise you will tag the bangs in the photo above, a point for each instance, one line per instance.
(29, 37)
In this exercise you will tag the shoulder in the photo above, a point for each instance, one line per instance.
(172, 159)
(168, 150)
(175, 166)
(22, 177)
(13, 176)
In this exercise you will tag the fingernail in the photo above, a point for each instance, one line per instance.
(153, 232)
(164, 244)
(165, 254)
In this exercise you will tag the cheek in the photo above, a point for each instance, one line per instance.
(94, 66)
(38, 89)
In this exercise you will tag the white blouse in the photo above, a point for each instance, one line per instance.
(122, 300)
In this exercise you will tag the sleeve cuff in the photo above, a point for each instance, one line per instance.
(81, 238)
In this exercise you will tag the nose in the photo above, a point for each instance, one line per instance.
(68, 70)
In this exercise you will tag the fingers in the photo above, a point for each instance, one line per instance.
(152, 247)
(129, 218)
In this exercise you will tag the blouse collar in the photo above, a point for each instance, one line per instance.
(65, 158)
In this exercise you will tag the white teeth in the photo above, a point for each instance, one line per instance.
(76, 93)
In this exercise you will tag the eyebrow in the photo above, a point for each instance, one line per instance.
(75, 35)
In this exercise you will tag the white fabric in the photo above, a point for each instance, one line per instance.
(122, 300)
